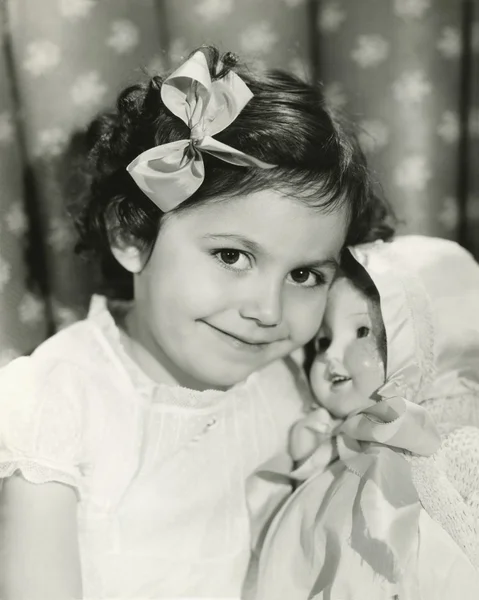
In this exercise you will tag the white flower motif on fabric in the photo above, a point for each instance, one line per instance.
(60, 236)
(64, 315)
(370, 50)
(412, 174)
(374, 135)
(300, 68)
(411, 87)
(449, 213)
(214, 10)
(88, 89)
(334, 95)
(178, 50)
(449, 44)
(41, 56)
(411, 8)
(31, 309)
(258, 38)
(51, 142)
(5, 273)
(16, 218)
(7, 128)
(257, 64)
(124, 36)
(448, 128)
(330, 17)
(6, 356)
(76, 9)
(156, 65)
(473, 124)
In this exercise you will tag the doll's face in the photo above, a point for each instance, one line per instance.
(348, 366)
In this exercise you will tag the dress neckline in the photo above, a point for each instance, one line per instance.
(101, 315)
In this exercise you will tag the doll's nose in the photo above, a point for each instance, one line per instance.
(334, 364)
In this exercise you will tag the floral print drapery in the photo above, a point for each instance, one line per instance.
(394, 65)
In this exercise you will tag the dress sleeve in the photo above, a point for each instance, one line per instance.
(41, 421)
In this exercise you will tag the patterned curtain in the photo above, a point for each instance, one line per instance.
(406, 70)
(398, 66)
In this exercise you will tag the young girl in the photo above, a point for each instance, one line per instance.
(126, 440)
(387, 510)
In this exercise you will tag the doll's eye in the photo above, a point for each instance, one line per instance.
(323, 344)
(362, 332)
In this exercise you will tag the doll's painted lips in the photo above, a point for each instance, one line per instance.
(338, 380)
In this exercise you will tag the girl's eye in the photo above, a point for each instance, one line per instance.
(307, 278)
(229, 257)
(362, 332)
(323, 344)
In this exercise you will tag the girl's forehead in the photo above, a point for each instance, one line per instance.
(273, 221)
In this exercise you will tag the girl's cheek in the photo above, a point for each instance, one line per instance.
(308, 308)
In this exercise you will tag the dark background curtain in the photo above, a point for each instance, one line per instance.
(406, 70)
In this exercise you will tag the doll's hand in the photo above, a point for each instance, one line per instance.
(310, 432)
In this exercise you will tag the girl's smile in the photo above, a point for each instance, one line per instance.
(240, 342)
(232, 286)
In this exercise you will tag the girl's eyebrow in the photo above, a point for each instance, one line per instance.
(330, 263)
(252, 246)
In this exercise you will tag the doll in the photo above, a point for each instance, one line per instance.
(388, 462)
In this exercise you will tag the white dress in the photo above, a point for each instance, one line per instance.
(160, 470)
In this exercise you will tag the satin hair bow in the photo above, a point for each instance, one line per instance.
(170, 173)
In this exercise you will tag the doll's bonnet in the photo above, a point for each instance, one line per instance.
(429, 295)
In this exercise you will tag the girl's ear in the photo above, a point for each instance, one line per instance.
(128, 251)
(130, 256)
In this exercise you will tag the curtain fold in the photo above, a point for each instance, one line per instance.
(22, 308)
(71, 57)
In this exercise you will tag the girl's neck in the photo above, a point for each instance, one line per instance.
(149, 356)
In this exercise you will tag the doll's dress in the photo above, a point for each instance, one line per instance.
(355, 530)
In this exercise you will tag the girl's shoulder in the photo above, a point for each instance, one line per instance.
(63, 403)
(85, 350)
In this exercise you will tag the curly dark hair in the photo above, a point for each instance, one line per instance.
(286, 123)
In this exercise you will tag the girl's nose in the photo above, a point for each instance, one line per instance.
(263, 304)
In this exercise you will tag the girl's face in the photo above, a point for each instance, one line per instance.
(232, 286)
(348, 366)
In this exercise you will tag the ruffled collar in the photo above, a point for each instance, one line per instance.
(102, 314)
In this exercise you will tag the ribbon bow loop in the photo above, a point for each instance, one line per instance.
(170, 173)
(394, 422)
